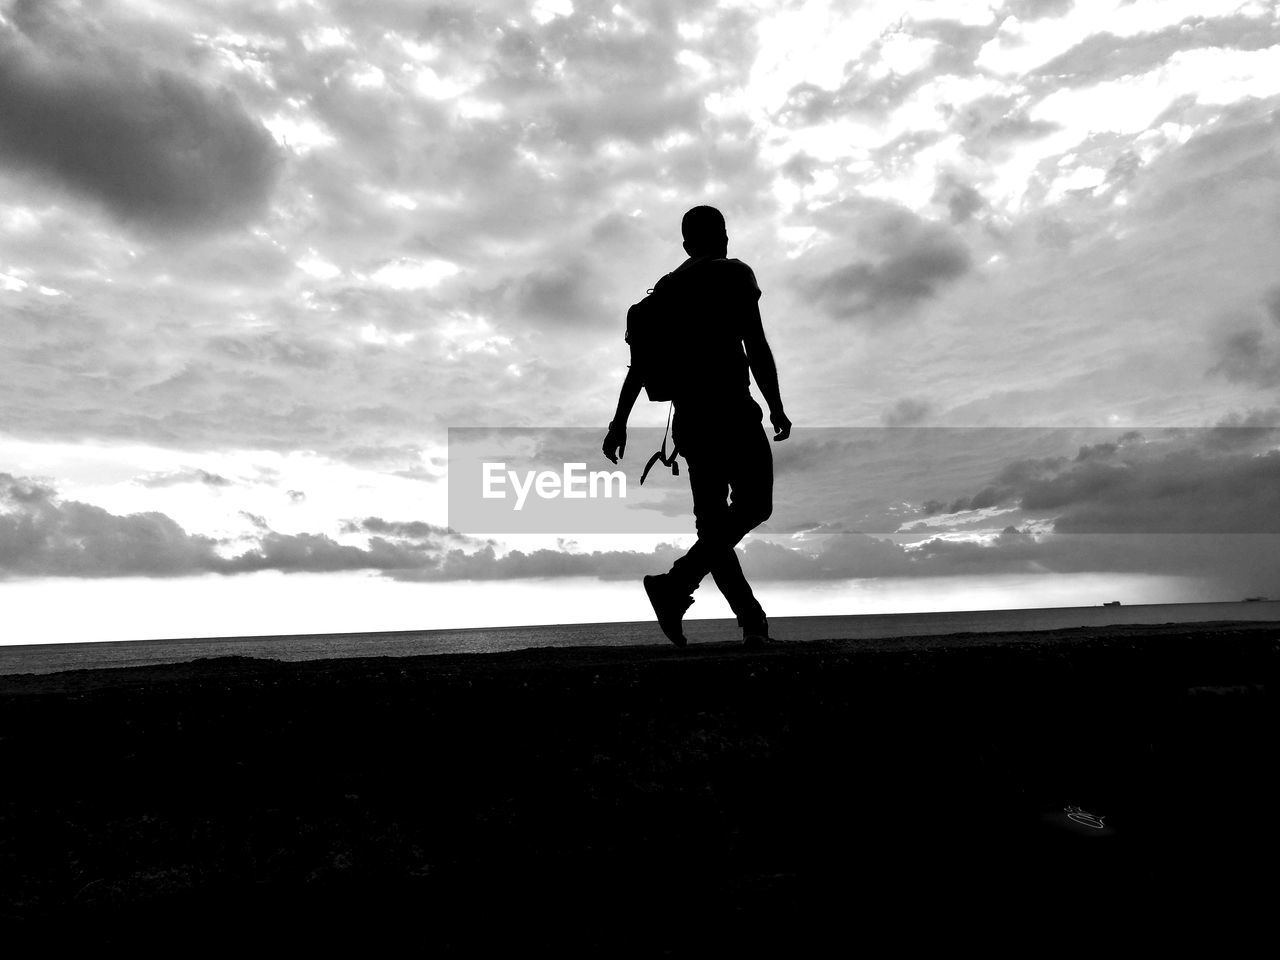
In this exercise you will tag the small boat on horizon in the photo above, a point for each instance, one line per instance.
(1254, 599)
(1112, 603)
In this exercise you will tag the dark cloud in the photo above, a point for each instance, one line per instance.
(1223, 480)
(1254, 429)
(485, 564)
(1181, 493)
(800, 168)
(962, 200)
(43, 535)
(154, 147)
(563, 295)
(992, 124)
(183, 476)
(275, 349)
(258, 521)
(405, 530)
(1234, 564)
(906, 412)
(1244, 563)
(1248, 356)
(1249, 352)
(913, 268)
(312, 553)
(1036, 9)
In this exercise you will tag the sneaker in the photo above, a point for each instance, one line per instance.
(669, 605)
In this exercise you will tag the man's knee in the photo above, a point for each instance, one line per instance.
(707, 522)
(756, 512)
(763, 512)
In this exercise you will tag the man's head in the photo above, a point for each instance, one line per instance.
(704, 232)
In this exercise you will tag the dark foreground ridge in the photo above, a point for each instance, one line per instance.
(643, 800)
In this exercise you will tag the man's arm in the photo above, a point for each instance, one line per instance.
(615, 441)
(765, 371)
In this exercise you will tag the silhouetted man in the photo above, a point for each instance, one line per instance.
(717, 426)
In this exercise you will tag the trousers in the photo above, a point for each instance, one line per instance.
(730, 470)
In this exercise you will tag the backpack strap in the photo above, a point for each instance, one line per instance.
(661, 455)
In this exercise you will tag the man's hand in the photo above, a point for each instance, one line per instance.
(781, 425)
(615, 442)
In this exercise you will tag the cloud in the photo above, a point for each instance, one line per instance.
(43, 535)
(961, 199)
(993, 124)
(872, 89)
(486, 564)
(1248, 350)
(556, 296)
(1248, 356)
(912, 273)
(1254, 429)
(1183, 492)
(550, 164)
(1037, 9)
(529, 137)
(1224, 480)
(183, 476)
(1246, 563)
(898, 259)
(404, 529)
(906, 412)
(624, 116)
(274, 349)
(1103, 56)
(311, 553)
(154, 147)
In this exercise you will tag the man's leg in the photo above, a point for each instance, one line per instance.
(751, 503)
(709, 484)
(747, 467)
(732, 583)
(671, 593)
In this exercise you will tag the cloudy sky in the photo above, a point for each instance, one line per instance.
(1018, 262)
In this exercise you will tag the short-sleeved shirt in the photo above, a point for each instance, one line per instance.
(718, 298)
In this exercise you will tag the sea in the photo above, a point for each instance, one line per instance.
(51, 658)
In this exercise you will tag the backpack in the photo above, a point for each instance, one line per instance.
(653, 333)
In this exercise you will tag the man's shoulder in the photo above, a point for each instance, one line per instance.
(727, 272)
(747, 275)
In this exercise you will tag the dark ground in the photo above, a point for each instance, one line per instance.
(646, 800)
